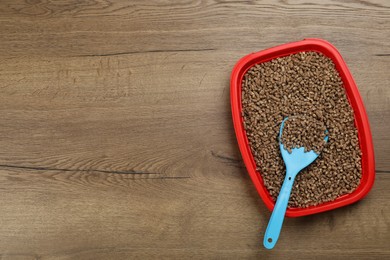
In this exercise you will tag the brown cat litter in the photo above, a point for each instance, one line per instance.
(304, 84)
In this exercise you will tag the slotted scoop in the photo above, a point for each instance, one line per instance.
(295, 161)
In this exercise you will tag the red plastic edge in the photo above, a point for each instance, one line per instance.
(361, 122)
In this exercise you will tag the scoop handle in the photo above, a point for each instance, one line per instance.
(276, 221)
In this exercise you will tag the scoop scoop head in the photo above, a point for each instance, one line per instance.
(298, 159)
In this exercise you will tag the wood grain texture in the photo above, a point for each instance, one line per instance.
(116, 134)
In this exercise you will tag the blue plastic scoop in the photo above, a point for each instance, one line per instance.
(295, 161)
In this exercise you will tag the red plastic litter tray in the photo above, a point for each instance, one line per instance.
(361, 122)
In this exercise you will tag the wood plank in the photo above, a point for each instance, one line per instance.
(58, 214)
(81, 110)
(77, 28)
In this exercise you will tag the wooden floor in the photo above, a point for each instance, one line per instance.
(116, 133)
